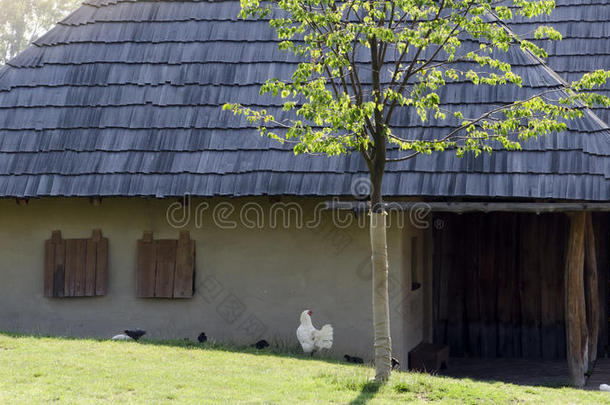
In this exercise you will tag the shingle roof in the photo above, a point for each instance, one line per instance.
(585, 27)
(124, 98)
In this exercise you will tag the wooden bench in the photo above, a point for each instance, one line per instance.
(429, 357)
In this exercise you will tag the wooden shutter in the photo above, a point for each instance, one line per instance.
(75, 267)
(166, 267)
(166, 264)
(145, 271)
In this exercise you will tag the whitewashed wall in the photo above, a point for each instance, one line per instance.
(267, 275)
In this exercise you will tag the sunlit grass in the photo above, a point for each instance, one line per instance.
(43, 370)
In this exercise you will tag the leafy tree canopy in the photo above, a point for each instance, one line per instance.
(22, 21)
(341, 103)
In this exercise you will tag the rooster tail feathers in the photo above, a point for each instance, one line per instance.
(324, 337)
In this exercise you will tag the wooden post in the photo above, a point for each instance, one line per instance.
(592, 288)
(576, 322)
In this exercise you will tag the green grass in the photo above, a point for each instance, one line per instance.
(43, 370)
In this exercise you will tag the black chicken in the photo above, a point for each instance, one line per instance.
(261, 344)
(135, 334)
(202, 338)
(353, 359)
(395, 363)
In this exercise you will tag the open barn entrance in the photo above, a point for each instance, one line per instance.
(498, 284)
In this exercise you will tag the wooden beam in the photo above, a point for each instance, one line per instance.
(575, 317)
(592, 288)
(463, 207)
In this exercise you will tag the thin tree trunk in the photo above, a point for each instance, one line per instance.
(379, 246)
(381, 305)
(379, 258)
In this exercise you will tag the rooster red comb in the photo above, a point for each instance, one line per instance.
(309, 312)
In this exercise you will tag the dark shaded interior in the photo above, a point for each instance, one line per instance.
(499, 284)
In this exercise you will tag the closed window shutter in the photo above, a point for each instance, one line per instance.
(166, 267)
(75, 267)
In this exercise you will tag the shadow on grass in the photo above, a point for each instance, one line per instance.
(368, 392)
(283, 352)
(516, 371)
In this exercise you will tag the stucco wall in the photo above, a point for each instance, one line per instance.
(268, 275)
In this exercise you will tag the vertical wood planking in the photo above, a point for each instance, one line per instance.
(166, 264)
(489, 266)
(505, 293)
(548, 299)
(59, 275)
(166, 267)
(185, 267)
(562, 253)
(470, 253)
(80, 267)
(553, 245)
(70, 267)
(559, 245)
(530, 285)
(515, 304)
(101, 266)
(456, 327)
(511, 301)
(146, 267)
(90, 264)
(601, 224)
(508, 306)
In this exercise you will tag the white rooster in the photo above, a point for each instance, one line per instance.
(312, 339)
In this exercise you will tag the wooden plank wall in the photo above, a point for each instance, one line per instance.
(498, 284)
(601, 225)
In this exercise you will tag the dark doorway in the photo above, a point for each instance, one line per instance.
(498, 284)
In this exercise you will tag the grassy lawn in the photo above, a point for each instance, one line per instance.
(42, 370)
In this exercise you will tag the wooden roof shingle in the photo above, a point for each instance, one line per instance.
(124, 98)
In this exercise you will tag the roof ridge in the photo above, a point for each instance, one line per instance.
(551, 73)
(106, 3)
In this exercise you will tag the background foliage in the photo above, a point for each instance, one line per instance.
(22, 21)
